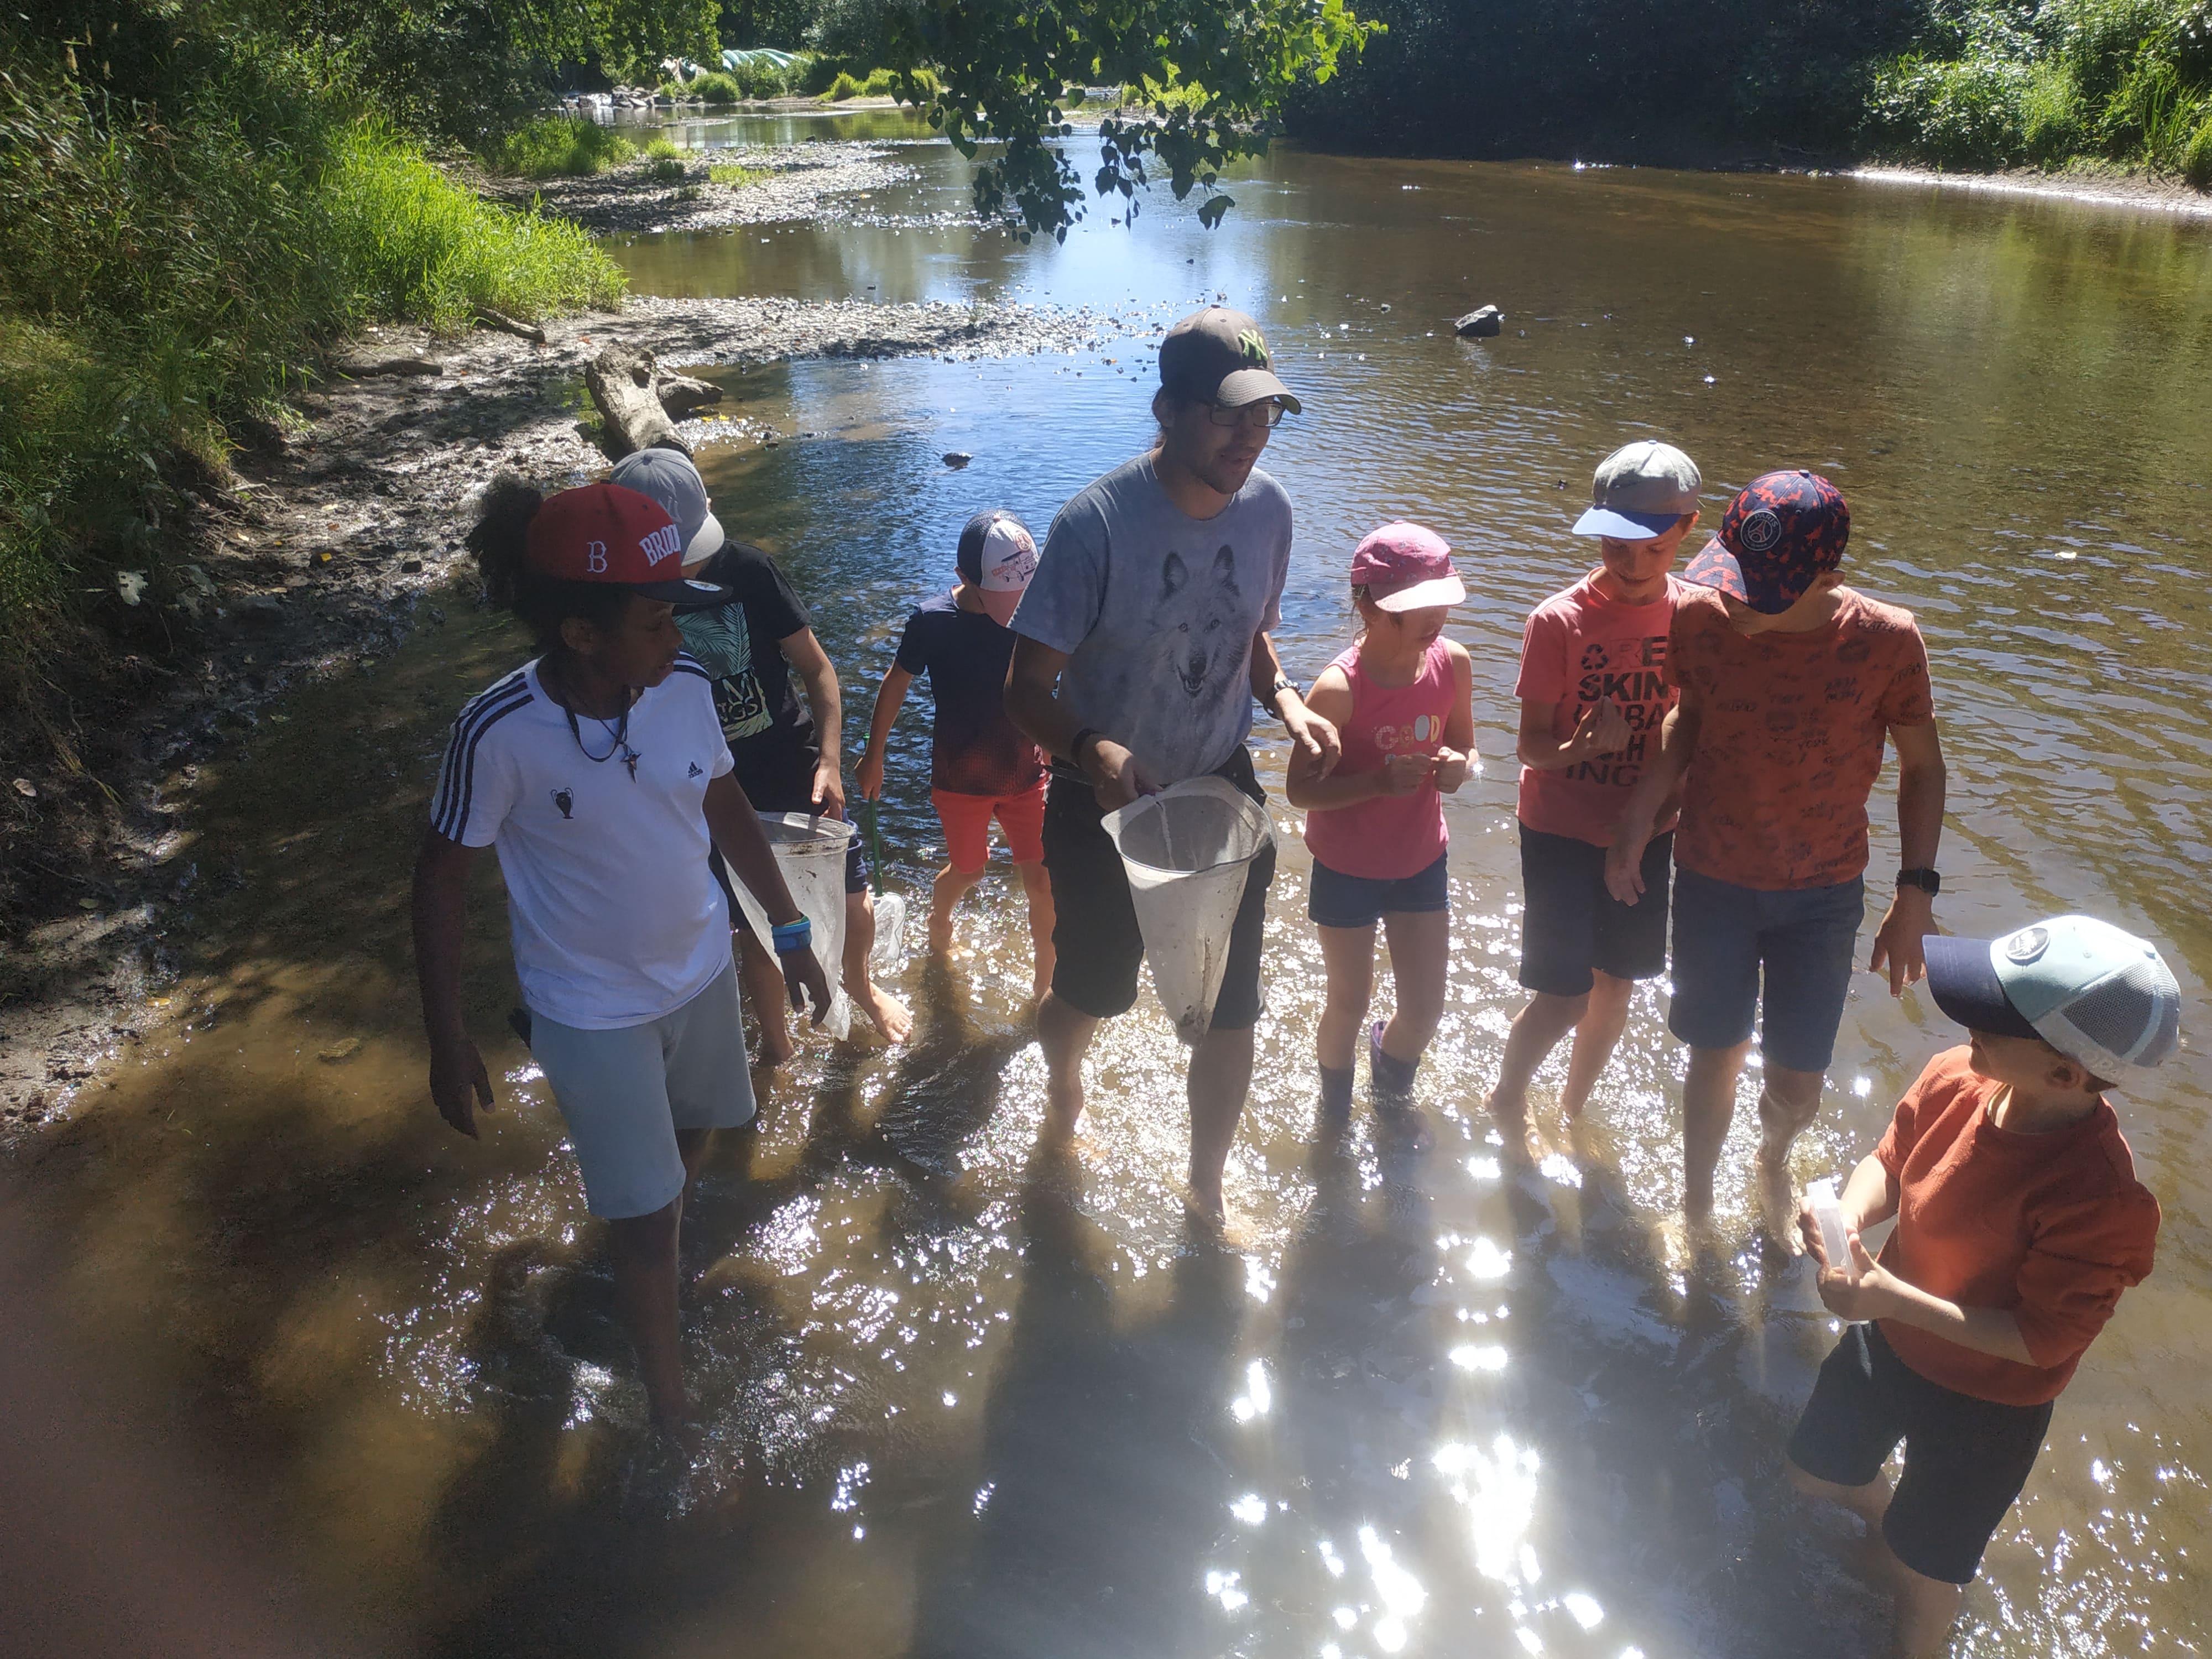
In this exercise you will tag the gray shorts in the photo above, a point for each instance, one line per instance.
(624, 1094)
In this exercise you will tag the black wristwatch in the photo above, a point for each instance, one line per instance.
(1075, 747)
(1283, 683)
(1926, 880)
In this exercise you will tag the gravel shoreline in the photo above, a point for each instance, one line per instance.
(626, 200)
(2097, 187)
(319, 560)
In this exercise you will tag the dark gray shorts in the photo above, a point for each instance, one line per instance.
(1094, 929)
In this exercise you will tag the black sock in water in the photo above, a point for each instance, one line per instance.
(1392, 1077)
(1336, 1090)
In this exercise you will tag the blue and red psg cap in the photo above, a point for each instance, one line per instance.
(604, 533)
(1782, 531)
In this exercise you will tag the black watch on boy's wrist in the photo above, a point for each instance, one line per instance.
(1283, 683)
(1925, 879)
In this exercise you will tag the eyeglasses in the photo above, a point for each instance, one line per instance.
(1266, 412)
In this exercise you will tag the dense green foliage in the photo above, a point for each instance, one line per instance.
(1006, 74)
(190, 210)
(1976, 83)
(1999, 85)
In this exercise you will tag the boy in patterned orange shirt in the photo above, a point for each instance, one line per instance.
(1791, 683)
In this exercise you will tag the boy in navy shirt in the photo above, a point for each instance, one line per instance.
(980, 766)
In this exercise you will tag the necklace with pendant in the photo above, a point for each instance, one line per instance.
(617, 730)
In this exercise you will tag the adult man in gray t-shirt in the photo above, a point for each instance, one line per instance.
(1143, 639)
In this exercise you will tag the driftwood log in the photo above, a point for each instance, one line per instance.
(681, 395)
(506, 325)
(625, 383)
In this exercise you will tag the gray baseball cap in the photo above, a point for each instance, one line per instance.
(670, 477)
(1639, 490)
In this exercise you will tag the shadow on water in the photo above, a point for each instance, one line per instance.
(1100, 1485)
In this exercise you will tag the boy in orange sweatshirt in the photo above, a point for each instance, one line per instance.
(2020, 1221)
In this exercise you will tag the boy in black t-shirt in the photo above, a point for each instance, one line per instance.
(981, 767)
(784, 736)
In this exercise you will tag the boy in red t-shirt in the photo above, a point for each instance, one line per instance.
(1593, 691)
(2020, 1221)
(1791, 685)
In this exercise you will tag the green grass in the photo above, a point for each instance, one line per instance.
(166, 275)
(413, 244)
(876, 83)
(556, 147)
(737, 177)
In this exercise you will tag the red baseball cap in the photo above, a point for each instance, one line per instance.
(604, 533)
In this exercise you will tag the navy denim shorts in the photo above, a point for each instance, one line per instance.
(1781, 960)
(1336, 900)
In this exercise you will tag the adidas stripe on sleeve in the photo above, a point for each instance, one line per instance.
(475, 790)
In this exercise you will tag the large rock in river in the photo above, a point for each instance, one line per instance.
(1479, 324)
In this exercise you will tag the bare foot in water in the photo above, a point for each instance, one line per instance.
(775, 1046)
(1777, 1197)
(1209, 1212)
(1524, 1148)
(885, 1012)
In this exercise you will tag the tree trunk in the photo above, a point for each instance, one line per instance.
(625, 384)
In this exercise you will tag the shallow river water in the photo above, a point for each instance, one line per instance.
(967, 1402)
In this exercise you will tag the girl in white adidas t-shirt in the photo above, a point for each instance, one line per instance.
(598, 773)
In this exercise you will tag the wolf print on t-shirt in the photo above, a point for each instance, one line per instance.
(723, 643)
(1199, 620)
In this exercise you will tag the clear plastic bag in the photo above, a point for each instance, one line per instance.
(811, 852)
(1187, 851)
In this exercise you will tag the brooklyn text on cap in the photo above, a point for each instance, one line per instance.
(1218, 355)
(1782, 533)
(604, 533)
(2095, 993)
(1407, 566)
(1639, 491)
(671, 478)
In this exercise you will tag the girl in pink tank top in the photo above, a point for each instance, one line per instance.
(1402, 702)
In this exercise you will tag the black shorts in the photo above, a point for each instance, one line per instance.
(1094, 931)
(1571, 925)
(1965, 1459)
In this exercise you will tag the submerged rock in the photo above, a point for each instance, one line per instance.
(958, 458)
(1479, 324)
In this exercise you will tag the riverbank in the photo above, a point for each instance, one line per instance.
(633, 199)
(2108, 185)
(330, 544)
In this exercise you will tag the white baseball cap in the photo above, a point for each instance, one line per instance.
(997, 556)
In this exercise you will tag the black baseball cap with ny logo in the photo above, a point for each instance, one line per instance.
(1218, 355)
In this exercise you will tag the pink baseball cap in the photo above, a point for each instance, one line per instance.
(1407, 566)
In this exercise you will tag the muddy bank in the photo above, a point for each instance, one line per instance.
(321, 555)
(799, 178)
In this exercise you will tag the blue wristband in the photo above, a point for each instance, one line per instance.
(790, 936)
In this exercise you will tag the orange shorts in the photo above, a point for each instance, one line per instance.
(966, 821)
